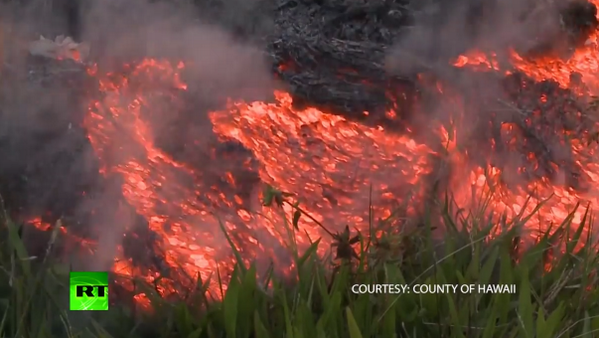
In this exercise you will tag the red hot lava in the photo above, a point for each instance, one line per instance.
(330, 162)
(335, 163)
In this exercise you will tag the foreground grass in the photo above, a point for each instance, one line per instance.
(561, 302)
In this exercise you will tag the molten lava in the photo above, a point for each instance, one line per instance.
(335, 167)
(335, 163)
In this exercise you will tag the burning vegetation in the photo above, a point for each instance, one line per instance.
(514, 129)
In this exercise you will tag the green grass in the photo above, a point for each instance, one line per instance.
(562, 302)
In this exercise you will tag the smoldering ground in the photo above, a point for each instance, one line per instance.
(218, 66)
(444, 30)
(48, 166)
(479, 104)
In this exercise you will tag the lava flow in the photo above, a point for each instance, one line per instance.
(335, 168)
(579, 73)
(335, 162)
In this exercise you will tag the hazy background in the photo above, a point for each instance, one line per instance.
(47, 161)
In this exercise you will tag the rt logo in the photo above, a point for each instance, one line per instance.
(88, 291)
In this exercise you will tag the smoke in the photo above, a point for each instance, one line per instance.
(40, 136)
(121, 31)
(446, 29)
(218, 66)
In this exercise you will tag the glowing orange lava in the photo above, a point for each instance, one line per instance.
(582, 65)
(336, 167)
(334, 161)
